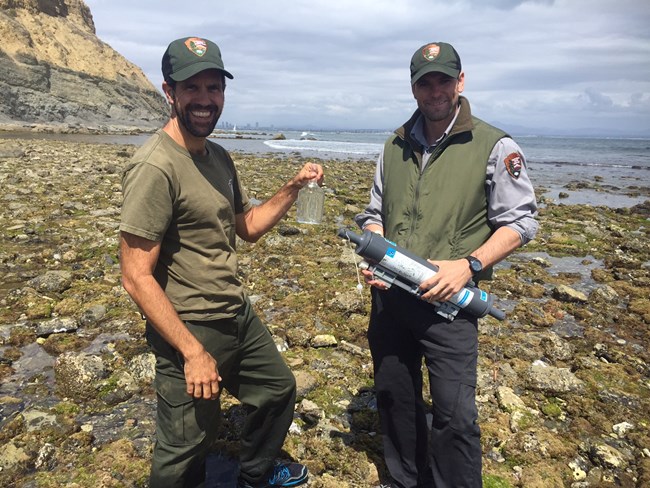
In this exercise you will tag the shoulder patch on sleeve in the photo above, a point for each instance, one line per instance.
(514, 164)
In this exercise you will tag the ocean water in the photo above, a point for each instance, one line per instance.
(596, 171)
(349, 144)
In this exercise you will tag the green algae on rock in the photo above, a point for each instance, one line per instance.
(60, 210)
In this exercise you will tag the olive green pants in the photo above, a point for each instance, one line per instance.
(252, 370)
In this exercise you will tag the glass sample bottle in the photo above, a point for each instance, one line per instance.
(311, 200)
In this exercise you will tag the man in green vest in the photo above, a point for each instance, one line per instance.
(453, 189)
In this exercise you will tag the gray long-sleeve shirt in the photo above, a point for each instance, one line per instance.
(510, 195)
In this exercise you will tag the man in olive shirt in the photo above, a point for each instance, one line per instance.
(183, 208)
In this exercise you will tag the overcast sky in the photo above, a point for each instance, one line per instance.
(544, 65)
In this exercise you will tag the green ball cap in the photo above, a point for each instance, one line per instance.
(190, 55)
(435, 57)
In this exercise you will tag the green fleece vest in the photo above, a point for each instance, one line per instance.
(441, 212)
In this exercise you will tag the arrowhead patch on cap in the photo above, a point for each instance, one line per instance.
(431, 51)
(197, 45)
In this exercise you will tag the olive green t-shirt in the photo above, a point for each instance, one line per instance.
(188, 204)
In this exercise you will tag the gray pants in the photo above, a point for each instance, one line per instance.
(403, 331)
(252, 370)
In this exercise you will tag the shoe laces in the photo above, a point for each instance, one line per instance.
(280, 473)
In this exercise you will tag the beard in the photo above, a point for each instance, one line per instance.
(436, 113)
(198, 126)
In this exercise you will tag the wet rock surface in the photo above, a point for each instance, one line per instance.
(564, 381)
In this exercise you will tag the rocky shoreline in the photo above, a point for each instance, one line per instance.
(64, 128)
(564, 381)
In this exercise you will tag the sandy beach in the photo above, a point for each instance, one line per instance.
(564, 381)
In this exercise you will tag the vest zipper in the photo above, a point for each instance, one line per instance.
(418, 157)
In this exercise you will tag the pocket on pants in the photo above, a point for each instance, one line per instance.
(183, 420)
(465, 415)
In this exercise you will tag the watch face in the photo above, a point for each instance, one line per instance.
(474, 264)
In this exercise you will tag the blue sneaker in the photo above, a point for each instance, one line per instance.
(288, 474)
(284, 474)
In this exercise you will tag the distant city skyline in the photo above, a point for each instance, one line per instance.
(545, 66)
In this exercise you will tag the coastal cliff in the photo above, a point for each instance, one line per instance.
(56, 72)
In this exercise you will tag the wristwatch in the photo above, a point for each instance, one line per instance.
(475, 265)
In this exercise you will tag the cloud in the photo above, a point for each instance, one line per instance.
(597, 100)
(340, 64)
(504, 4)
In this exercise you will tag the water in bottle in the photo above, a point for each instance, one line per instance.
(311, 200)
